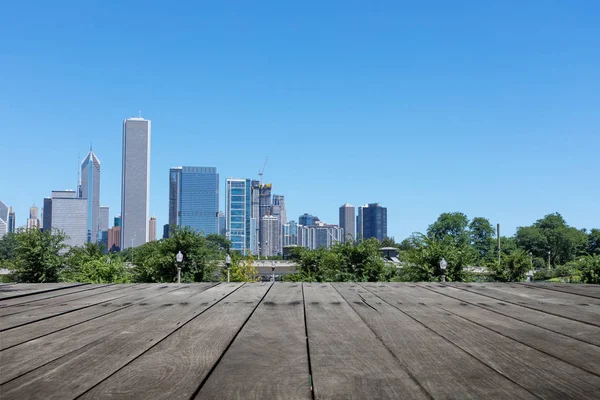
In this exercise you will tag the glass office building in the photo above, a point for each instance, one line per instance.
(238, 210)
(194, 198)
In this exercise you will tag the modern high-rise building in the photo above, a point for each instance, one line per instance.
(114, 239)
(152, 229)
(222, 224)
(320, 235)
(47, 217)
(194, 198)
(307, 219)
(347, 221)
(264, 208)
(69, 215)
(117, 221)
(271, 231)
(12, 221)
(3, 219)
(90, 190)
(33, 220)
(103, 218)
(237, 212)
(290, 234)
(135, 182)
(278, 210)
(165, 231)
(372, 222)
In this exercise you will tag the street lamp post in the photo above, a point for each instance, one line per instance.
(443, 265)
(179, 258)
(258, 244)
(273, 270)
(228, 264)
(548, 259)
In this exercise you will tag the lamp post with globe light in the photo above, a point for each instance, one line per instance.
(228, 264)
(443, 265)
(179, 258)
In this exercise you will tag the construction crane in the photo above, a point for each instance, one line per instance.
(260, 173)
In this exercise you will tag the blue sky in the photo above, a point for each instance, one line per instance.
(485, 107)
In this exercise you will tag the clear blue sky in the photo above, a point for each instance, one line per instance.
(491, 108)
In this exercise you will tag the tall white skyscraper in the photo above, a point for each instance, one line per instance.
(348, 221)
(90, 190)
(135, 182)
(69, 215)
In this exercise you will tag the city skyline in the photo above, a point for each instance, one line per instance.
(424, 109)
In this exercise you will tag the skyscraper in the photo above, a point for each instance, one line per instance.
(264, 208)
(90, 190)
(290, 233)
(319, 235)
(255, 213)
(135, 182)
(103, 218)
(3, 219)
(117, 221)
(47, 217)
(238, 210)
(372, 222)
(165, 231)
(69, 215)
(12, 221)
(33, 221)
(271, 231)
(307, 219)
(152, 229)
(194, 198)
(222, 224)
(114, 239)
(347, 221)
(278, 210)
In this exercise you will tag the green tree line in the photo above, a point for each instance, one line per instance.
(555, 250)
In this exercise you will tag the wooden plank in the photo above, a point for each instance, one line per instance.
(348, 361)
(48, 295)
(56, 308)
(562, 310)
(535, 292)
(575, 352)
(577, 330)
(592, 291)
(269, 353)
(544, 375)
(187, 356)
(25, 357)
(28, 289)
(419, 349)
(81, 369)
(64, 299)
(25, 333)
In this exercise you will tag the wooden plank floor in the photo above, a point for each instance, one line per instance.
(300, 341)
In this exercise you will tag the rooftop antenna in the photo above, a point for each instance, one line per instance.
(260, 173)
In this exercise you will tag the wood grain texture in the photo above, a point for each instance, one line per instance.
(175, 367)
(28, 356)
(577, 330)
(47, 295)
(25, 333)
(544, 375)
(430, 358)
(56, 307)
(348, 361)
(270, 352)
(580, 290)
(581, 314)
(28, 289)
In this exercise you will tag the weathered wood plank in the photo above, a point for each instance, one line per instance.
(544, 375)
(65, 299)
(580, 290)
(17, 301)
(56, 308)
(82, 369)
(583, 355)
(175, 367)
(562, 310)
(28, 289)
(25, 333)
(420, 350)
(270, 352)
(348, 361)
(28, 356)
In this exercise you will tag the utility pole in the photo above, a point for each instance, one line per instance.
(498, 234)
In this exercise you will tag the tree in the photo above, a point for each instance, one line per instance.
(422, 262)
(481, 237)
(243, 269)
(8, 247)
(590, 269)
(450, 224)
(38, 256)
(551, 234)
(513, 267)
(155, 261)
(593, 246)
(103, 270)
(388, 242)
